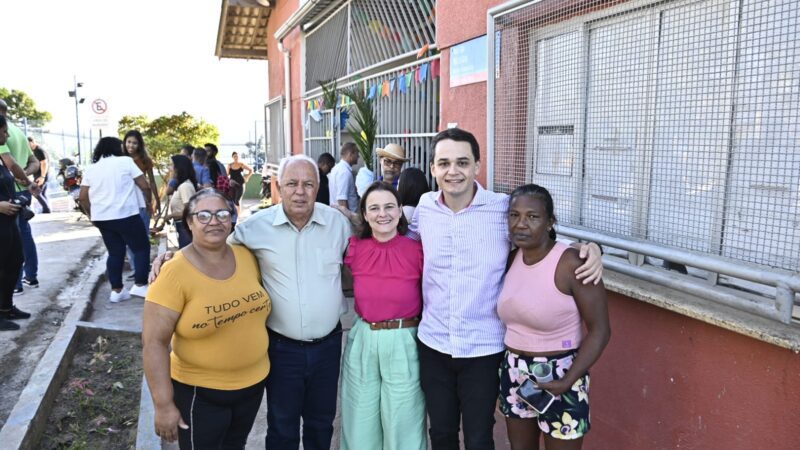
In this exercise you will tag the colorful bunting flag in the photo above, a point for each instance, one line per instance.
(422, 51)
(423, 72)
(385, 88)
(409, 76)
(435, 68)
(391, 85)
(401, 83)
(371, 91)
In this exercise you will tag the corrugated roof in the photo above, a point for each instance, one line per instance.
(242, 30)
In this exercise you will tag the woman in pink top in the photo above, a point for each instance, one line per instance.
(382, 402)
(544, 308)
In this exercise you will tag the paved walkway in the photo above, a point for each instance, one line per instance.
(64, 240)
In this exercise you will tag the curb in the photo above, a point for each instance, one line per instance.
(146, 438)
(27, 420)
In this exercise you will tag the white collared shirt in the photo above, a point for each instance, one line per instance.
(300, 269)
(342, 185)
(465, 258)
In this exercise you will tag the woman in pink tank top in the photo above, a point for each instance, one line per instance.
(544, 309)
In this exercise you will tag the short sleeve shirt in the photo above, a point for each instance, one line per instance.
(17, 145)
(220, 339)
(112, 191)
(342, 185)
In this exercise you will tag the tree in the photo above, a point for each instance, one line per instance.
(163, 136)
(20, 106)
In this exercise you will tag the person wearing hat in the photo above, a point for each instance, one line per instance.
(392, 158)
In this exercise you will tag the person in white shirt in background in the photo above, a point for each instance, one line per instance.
(108, 195)
(341, 182)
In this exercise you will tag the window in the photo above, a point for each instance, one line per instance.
(673, 123)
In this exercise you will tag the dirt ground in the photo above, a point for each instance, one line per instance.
(98, 404)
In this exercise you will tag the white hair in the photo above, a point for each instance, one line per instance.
(285, 162)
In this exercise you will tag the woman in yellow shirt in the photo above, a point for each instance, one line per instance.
(208, 303)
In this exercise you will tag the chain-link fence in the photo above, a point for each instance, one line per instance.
(673, 122)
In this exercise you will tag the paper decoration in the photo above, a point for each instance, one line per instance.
(401, 83)
(371, 91)
(422, 51)
(435, 68)
(391, 85)
(385, 88)
(409, 76)
(423, 72)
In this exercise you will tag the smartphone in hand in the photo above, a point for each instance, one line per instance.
(537, 399)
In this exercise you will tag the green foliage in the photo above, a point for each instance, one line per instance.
(164, 135)
(364, 116)
(330, 95)
(21, 105)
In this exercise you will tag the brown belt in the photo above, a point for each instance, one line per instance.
(395, 324)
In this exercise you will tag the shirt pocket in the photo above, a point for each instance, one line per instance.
(328, 262)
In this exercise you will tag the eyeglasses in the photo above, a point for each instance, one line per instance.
(204, 217)
(392, 163)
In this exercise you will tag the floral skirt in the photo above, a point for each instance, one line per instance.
(567, 417)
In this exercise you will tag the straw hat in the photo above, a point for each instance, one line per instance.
(392, 151)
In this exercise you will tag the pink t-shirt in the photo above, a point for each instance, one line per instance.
(386, 277)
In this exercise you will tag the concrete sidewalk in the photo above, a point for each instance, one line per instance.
(65, 241)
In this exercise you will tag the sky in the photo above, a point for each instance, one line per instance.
(152, 57)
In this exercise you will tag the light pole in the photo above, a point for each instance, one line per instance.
(78, 100)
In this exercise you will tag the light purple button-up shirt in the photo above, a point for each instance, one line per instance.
(465, 258)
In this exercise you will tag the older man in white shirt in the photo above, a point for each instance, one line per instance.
(299, 246)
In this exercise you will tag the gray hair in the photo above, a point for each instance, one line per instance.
(285, 162)
(201, 194)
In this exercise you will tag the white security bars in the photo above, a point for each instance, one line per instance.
(668, 129)
(365, 33)
(273, 118)
(406, 102)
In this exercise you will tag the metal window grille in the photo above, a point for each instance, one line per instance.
(382, 29)
(673, 123)
(364, 33)
(408, 117)
(273, 118)
(320, 133)
(326, 50)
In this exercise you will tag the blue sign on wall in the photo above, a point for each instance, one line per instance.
(468, 62)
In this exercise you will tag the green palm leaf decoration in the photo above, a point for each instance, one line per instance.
(363, 114)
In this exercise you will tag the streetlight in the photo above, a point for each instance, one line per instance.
(78, 100)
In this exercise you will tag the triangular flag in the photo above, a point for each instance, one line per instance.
(423, 72)
(416, 75)
(422, 51)
(401, 83)
(435, 68)
(308, 105)
(371, 92)
(391, 85)
(385, 88)
(409, 75)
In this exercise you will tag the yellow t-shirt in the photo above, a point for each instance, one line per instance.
(220, 339)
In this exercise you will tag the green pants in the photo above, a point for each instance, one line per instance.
(382, 402)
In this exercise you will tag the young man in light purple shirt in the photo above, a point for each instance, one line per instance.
(464, 233)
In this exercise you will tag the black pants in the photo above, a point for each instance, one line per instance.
(303, 383)
(10, 260)
(217, 419)
(459, 389)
